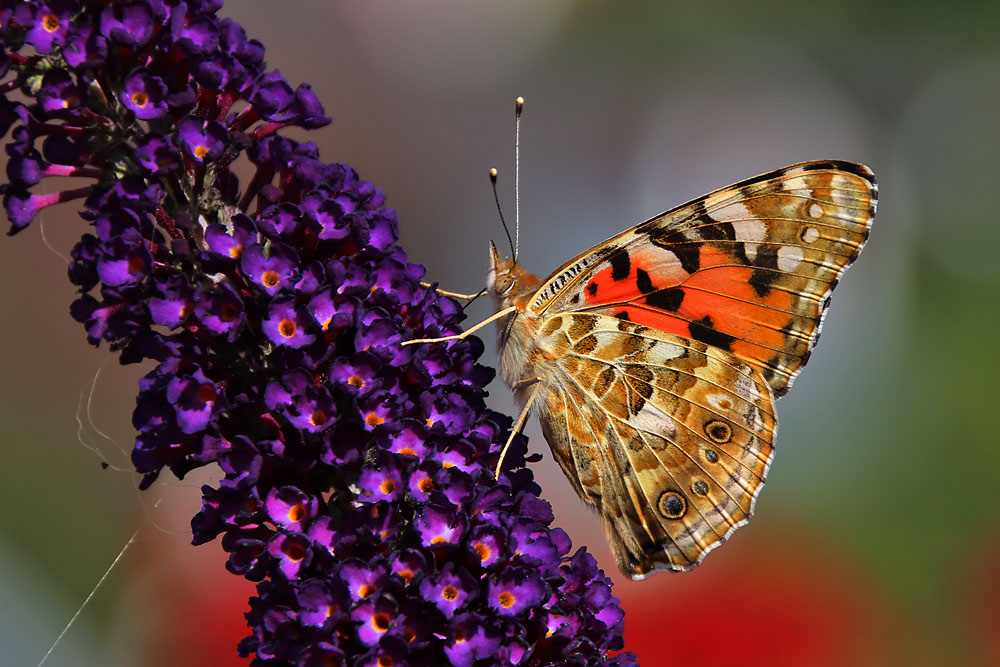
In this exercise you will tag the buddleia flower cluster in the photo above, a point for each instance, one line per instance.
(357, 487)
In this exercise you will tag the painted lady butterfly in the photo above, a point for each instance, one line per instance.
(653, 359)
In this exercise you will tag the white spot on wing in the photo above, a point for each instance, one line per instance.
(840, 188)
(654, 420)
(721, 402)
(810, 234)
(750, 231)
(747, 389)
(789, 257)
(664, 352)
(816, 211)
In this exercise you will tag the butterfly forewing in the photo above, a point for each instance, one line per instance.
(669, 438)
(748, 268)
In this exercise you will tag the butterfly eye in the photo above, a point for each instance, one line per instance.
(503, 283)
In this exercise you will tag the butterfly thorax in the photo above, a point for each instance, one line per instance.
(510, 285)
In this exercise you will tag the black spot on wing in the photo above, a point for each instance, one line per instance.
(623, 315)
(643, 282)
(766, 271)
(820, 165)
(666, 299)
(685, 249)
(592, 288)
(713, 230)
(621, 266)
(704, 330)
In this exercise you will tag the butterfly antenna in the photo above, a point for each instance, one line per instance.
(496, 198)
(518, 108)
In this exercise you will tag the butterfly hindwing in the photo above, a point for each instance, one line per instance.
(669, 438)
(748, 268)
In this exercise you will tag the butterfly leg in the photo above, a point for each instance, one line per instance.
(519, 424)
(453, 295)
(502, 313)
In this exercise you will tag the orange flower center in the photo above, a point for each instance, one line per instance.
(296, 512)
(295, 552)
(136, 265)
(270, 278)
(140, 99)
(50, 22)
(286, 328)
(318, 418)
(449, 593)
(506, 599)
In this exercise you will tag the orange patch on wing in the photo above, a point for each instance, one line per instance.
(662, 267)
(723, 292)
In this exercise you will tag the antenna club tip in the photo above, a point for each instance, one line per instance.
(519, 105)
(493, 174)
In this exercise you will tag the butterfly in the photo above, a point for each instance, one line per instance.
(653, 359)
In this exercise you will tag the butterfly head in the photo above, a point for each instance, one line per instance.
(501, 279)
(507, 282)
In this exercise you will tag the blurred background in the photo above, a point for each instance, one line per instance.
(877, 537)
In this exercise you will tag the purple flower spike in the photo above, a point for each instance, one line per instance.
(358, 487)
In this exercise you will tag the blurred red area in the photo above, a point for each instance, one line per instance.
(790, 604)
(199, 606)
(983, 590)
